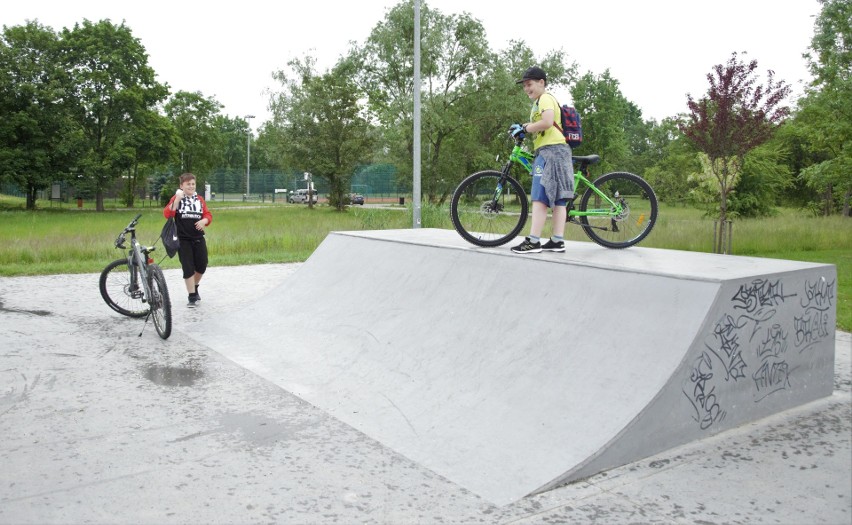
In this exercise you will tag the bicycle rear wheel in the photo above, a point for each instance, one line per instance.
(486, 213)
(161, 305)
(119, 293)
(614, 228)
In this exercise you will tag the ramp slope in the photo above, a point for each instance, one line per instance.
(509, 375)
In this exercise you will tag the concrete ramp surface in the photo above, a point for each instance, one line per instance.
(511, 374)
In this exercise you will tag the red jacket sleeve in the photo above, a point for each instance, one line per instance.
(168, 212)
(205, 212)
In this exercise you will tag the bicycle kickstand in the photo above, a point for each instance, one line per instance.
(146, 323)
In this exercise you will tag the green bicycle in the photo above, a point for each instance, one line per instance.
(617, 210)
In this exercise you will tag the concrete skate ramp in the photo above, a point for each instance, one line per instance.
(511, 374)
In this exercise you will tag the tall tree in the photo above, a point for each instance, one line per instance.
(113, 89)
(267, 151)
(605, 115)
(826, 112)
(37, 137)
(672, 173)
(468, 95)
(734, 117)
(327, 131)
(765, 174)
(235, 133)
(197, 120)
(155, 145)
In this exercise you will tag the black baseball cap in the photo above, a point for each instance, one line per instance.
(533, 73)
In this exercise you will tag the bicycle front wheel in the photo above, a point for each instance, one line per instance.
(624, 223)
(119, 292)
(161, 306)
(489, 209)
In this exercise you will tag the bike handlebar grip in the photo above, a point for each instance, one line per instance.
(132, 223)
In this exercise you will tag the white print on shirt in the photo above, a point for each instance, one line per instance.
(190, 208)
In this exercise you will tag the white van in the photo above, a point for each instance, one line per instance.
(301, 196)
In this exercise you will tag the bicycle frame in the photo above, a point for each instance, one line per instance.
(523, 157)
(137, 263)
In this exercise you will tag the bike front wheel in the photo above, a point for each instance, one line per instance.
(624, 223)
(161, 306)
(120, 292)
(489, 209)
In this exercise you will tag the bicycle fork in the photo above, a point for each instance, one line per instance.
(139, 290)
(136, 291)
(498, 191)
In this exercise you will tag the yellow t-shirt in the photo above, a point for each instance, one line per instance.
(551, 135)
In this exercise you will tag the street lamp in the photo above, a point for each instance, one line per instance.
(248, 154)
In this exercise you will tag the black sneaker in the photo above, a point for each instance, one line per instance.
(527, 247)
(193, 300)
(197, 295)
(551, 246)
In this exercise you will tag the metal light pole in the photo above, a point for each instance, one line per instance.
(248, 154)
(415, 198)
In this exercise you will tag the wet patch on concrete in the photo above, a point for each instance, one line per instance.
(255, 428)
(173, 376)
(41, 313)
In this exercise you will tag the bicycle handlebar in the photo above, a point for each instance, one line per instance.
(119, 241)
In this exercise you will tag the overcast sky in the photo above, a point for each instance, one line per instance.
(659, 50)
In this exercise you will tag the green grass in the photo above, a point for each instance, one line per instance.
(54, 241)
(67, 240)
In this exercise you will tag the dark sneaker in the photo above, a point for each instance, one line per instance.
(197, 295)
(193, 300)
(551, 246)
(527, 247)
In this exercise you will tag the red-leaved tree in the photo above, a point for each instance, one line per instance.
(734, 117)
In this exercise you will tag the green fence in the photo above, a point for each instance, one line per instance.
(377, 182)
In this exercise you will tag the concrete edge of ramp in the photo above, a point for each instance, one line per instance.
(426, 349)
(655, 261)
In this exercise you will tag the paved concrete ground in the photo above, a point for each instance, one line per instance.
(100, 425)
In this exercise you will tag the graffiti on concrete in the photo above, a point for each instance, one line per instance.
(703, 397)
(772, 373)
(727, 348)
(812, 325)
(753, 337)
(758, 301)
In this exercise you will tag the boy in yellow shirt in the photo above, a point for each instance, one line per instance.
(553, 180)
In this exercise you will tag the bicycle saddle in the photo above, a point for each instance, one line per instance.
(586, 160)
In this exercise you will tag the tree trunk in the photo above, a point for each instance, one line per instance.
(829, 198)
(723, 219)
(31, 198)
(131, 186)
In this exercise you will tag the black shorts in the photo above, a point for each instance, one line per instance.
(193, 256)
